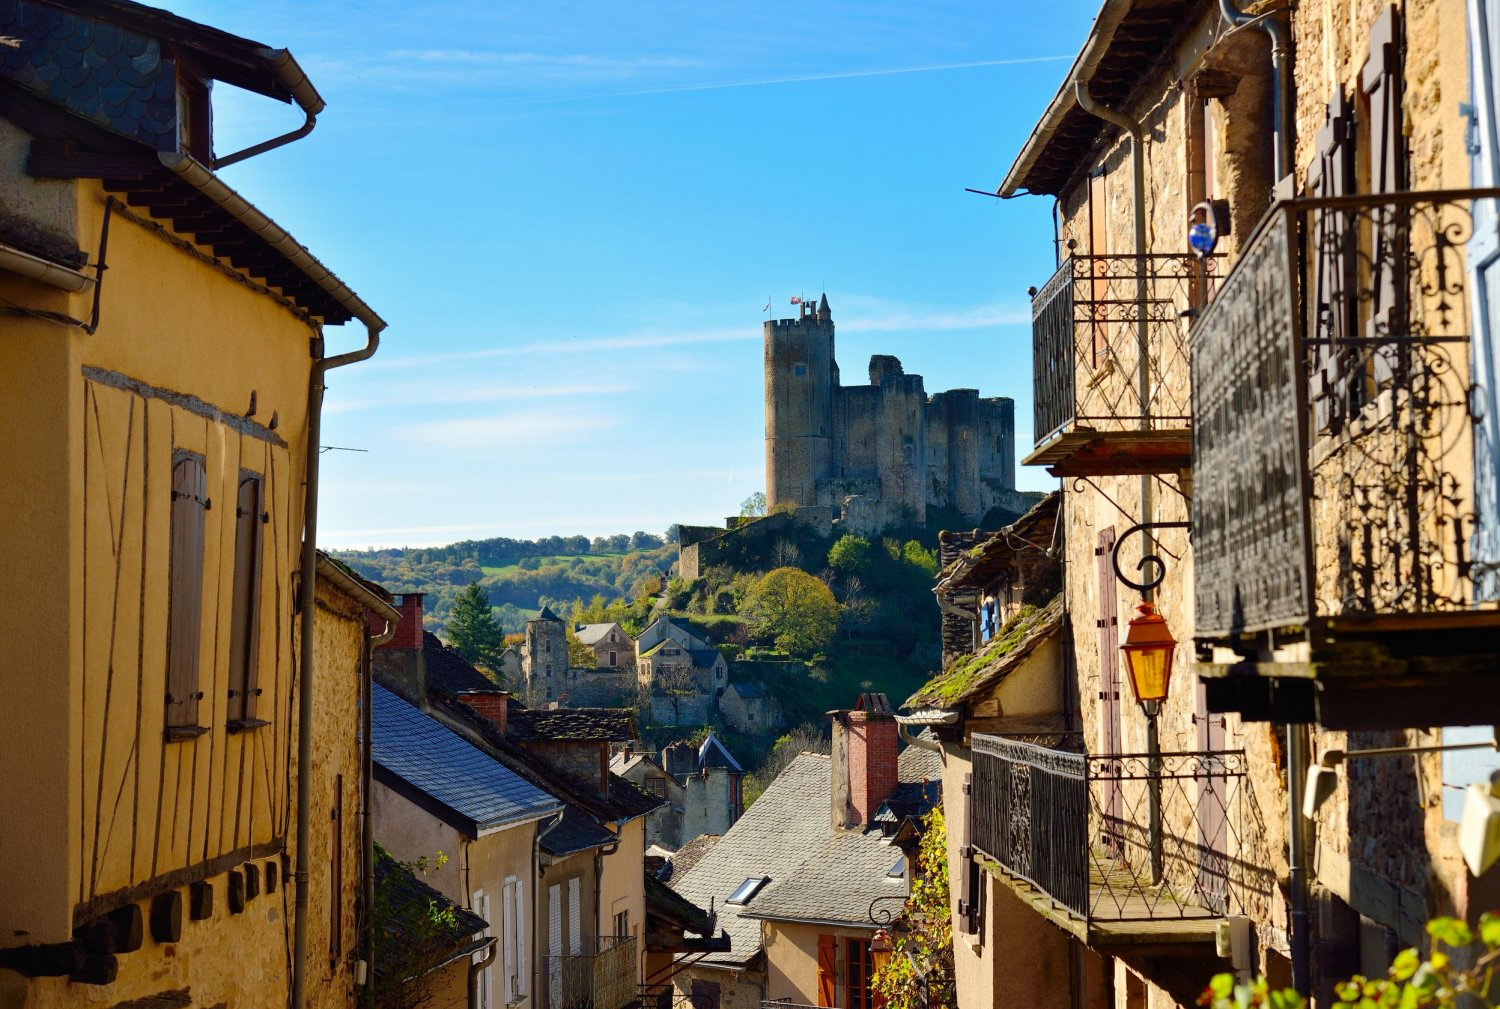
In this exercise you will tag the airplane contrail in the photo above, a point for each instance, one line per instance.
(835, 76)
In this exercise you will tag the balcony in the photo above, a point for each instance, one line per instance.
(1333, 504)
(605, 979)
(1073, 835)
(1110, 364)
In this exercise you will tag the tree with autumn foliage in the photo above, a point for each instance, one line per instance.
(919, 973)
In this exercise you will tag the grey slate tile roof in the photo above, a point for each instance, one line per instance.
(705, 658)
(837, 882)
(431, 759)
(591, 634)
(780, 831)
(577, 831)
(612, 725)
(409, 919)
(916, 764)
(713, 753)
(692, 853)
(448, 672)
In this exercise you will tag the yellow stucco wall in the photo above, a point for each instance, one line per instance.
(791, 952)
(622, 885)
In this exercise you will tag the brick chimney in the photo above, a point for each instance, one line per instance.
(865, 741)
(400, 665)
(491, 705)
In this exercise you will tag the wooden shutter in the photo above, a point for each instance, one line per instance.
(1332, 255)
(827, 971)
(520, 931)
(575, 918)
(185, 591)
(1381, 83)
(554, 920)
(244, 627)
(705, 994)
(1109, 686)
(511, 940)
(971, 880)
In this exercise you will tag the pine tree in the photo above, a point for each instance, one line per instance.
(472, 629)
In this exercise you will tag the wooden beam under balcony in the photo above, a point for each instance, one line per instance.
(1085, 452)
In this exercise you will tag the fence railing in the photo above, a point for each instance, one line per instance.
(1095, 323)
(1334, 438)
(606, 978)
(1079, 828)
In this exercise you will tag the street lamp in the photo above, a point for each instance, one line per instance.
(1148, 651)
(880, 951)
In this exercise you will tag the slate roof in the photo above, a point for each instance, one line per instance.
(970, 675)
(411, 902)
(592, 634)
(630, 798)
(705, 658)
(577, 831)
(780, 831)
(691, 853)
(714, 753)
(607, 725)
(421, 757)
(750, 691)
(547, 614)
(910, 800)
(917, 765)
(662, 900)
(836, 882)
(448, 672)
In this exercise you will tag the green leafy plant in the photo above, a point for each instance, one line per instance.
(794, 610)
(1438, 982)
(919, 973)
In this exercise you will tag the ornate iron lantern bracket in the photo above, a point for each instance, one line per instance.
(1158, 574)
(883, 916)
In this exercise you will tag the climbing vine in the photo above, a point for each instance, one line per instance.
(919, 973)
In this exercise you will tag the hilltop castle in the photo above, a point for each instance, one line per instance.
(887, 443)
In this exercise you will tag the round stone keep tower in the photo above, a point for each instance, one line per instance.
(544, 660)
(800, 380)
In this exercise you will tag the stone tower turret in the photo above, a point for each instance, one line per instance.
(544, 659)
(800, 378)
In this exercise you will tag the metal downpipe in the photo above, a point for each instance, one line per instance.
(1281, 80)
(308, 606)
(476, 967)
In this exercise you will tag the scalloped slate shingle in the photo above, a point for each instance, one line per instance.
(100, 71)
(429, 756)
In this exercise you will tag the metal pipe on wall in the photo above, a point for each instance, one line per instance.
(1281, 81)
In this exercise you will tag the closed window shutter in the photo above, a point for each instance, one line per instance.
(554, 920)
(1333, 253)
(511, 939)
(520, 932)
(185, 592)
(968, 906)
(1484, 264)
(827, 971)
(575, 924)
(1381, 82)
(244, 628)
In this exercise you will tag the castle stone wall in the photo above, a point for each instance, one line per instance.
(886, 441)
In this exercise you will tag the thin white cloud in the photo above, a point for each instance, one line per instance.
(552, 427)
(430, 394)
(765, 81)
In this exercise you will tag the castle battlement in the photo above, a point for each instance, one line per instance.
(887, 442)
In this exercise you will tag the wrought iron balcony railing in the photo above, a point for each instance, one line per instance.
(1334, 438)
(1109, 344)
(1080, 829)
(607, 978)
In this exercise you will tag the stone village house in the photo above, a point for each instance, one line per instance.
(1272, 446)
(178, 634)
(597, 928)
(703, 787)
(802, 878)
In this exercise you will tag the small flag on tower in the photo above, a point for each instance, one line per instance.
(796, 300)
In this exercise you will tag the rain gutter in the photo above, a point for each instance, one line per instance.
(284, 66)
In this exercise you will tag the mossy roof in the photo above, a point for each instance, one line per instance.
(968, 675)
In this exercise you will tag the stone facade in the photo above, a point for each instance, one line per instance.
(544, 658)
(886, 441)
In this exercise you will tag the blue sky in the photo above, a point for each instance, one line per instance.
(572, 215)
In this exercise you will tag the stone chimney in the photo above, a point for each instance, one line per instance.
(865, 741)
(491, 705)
(400, 665)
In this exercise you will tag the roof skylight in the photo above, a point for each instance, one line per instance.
(749, 888)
